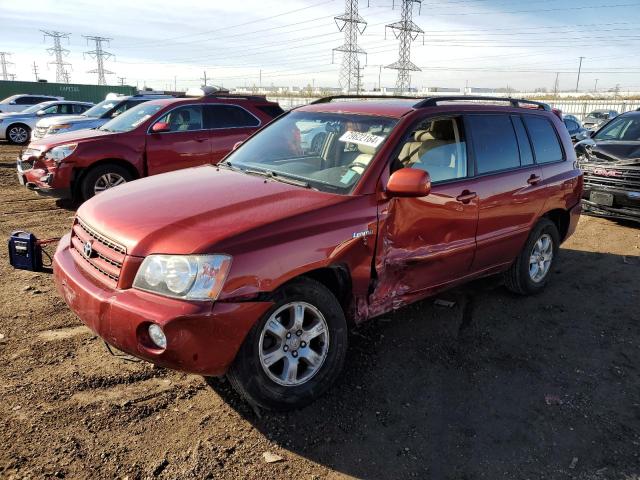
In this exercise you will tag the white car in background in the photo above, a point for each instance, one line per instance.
(16, 127)
(18, 103)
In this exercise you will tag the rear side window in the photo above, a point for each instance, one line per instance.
(526, 155)
(544, 139)
(80, 108)
(30, 100)
(228, 116)
(494, 143)
(271, 110)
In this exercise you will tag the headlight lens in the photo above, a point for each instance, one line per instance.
(192, 277)
(59, 153)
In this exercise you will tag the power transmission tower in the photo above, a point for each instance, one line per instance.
(35, 71)
(406, 31)
(100, 55)
(352, 24)
(4, 63)
(62, 75)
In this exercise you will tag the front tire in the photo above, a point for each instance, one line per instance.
(18, 134)
(530, 272)
(103, 177)
(295, 352)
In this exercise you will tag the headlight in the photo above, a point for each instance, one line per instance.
(59, 153)
(192, 277)
(57, 128)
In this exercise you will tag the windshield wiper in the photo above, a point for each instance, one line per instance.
(278, 177)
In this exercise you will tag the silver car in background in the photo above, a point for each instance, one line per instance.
(17, 127)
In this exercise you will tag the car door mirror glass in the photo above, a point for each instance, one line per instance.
(409, 182)
(160, 127)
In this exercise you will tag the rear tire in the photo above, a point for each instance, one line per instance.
(18, 134)
(305, 332)
(530, 271)
(103, 177)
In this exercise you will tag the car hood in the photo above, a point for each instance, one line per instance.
(610, 151)
(202, 210)
(76, 136)
(75, 119)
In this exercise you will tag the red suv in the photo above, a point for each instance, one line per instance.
(257, 267)
(154, 137)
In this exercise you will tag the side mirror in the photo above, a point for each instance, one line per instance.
(40, 113)
(160, 127)
(13, 102)
(236, 145)
(409, 182)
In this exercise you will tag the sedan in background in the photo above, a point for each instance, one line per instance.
(16, 127)
(575, 127)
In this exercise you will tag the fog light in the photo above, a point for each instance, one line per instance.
(157, 336)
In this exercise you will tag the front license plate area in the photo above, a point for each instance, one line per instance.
(602, 198)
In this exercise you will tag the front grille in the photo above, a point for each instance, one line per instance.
(106, 256)
(618, 177)
(25, 165)
(40, 132)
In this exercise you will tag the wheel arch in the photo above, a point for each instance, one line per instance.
(561, 219)
(80, 173)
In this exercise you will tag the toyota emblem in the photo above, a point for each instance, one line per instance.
(87, 250)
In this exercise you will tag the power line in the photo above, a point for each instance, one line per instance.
(406, 31)
(352, 24)
(62, 74)
(4, 63)
(100, 55)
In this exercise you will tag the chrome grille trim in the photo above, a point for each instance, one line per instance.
(102, 239)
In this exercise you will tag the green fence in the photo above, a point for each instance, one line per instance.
(70, 91)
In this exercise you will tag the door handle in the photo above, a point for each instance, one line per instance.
(466, 196)
(200, 140)
(533, 179)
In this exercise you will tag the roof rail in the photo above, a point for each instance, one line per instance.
(255, 98)
(515, 102)
(378, 97)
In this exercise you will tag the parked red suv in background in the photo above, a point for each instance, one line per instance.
(255, 268)
(154, 137)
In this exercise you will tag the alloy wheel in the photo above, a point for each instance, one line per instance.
(108, 180)
(18, 134)
(540, 258)
(294, 344)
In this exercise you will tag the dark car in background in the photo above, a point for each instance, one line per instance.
(598, 118)
(575, 128)
(610, 160)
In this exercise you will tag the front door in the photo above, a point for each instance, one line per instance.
(186, 144)
(426, 243)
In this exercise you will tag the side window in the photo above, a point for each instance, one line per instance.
(80, 108)
(526, 155)
(184, 119)
(52, 109)
(545, 141)
(437, 146)
(65, 108)
(228, 116)
(494, 143)
(124, 106)
(571, 126)
(28, 100)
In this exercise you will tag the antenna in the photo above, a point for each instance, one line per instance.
(62, 74)
(100, 55)
(4, 63)
(352, 24)
(406, 31)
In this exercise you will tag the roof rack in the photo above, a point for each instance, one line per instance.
(254, 98)
(515, 102)
(378, 97)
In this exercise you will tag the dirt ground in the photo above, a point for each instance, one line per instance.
(495, 387)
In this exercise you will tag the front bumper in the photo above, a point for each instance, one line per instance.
(625, 204)
(592, 208)
(45, 178)
(202, 338)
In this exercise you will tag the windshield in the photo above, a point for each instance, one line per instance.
(326, 151)
(599, 115)
(131, 118)
(9, 99)
(36, 108)
(622, 128)
(101, 108)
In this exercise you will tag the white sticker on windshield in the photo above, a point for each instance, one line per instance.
(360, 138)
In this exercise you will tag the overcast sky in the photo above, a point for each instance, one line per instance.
(487, 43)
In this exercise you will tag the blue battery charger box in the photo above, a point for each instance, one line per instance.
(25, 253)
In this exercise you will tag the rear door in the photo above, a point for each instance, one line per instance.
(227, 125)
(187, 143)
(508, 185)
